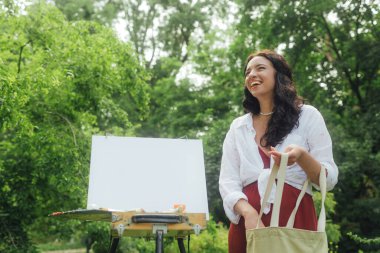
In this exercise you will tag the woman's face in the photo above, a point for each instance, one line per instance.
(260, 77)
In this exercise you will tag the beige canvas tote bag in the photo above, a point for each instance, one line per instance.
(288, 239)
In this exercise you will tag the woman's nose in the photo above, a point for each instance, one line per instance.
(252, 73)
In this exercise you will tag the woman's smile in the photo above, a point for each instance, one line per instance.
(253, 84)
(260, 73)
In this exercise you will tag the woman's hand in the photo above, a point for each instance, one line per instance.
(299, 155)
(294, 152)
(250, 220)
(249, 213)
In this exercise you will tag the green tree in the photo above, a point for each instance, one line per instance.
(331, 46)
(61, 82)
(100, 11)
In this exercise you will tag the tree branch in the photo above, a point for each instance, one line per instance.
(9, 234)
(131, 26)
(186, 38)
(154, 51)
(20, 56)
(354, 85)
(357, 25)
(69, 123)
(149, 21)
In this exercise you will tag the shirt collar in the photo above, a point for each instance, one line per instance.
(245, 120)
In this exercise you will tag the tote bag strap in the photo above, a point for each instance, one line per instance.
(322, 214)
(279, 189)
(272, 177)
(292, 217)
(322, 187)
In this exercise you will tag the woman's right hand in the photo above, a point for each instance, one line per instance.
(249, 213)
(250, 220)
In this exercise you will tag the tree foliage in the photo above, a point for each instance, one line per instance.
(61, 82)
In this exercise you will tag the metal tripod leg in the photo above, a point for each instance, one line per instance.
(159, 241)
(114, 243)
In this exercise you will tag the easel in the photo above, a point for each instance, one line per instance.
(140, 224)
(118, 180)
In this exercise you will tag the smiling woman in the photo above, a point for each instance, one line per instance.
(259, 79)
(276, 94)
(277, 122)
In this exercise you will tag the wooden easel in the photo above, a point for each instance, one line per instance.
(141, 224)
(120, 165)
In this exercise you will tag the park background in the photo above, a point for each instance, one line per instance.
(70, 69)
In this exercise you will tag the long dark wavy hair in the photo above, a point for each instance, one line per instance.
(286, 101)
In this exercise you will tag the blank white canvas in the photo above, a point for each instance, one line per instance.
(129, 173)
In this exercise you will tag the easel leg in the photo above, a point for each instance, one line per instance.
(181, 245)
(159, 241)
(114, 243)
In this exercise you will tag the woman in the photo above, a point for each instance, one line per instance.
(277, 121)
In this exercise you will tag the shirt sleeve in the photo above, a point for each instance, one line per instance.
(320, 145)
(230, 184)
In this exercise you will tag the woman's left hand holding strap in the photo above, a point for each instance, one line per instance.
(300, 156)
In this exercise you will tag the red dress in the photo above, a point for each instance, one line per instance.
(306, 217)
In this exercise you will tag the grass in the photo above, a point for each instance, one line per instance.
(61, 247)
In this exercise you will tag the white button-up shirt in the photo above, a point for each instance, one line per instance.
(242, 164)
